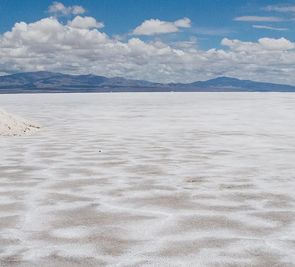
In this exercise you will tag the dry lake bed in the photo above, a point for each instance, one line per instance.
(162, 179)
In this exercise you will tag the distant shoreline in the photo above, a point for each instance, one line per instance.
(126, 92)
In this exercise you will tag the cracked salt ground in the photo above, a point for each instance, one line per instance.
(180, 180)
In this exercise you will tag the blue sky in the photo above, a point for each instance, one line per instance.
(189, 28)
(211, 20)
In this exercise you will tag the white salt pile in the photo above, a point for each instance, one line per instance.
(12, 125)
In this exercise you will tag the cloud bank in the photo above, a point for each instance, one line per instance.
(79, 46)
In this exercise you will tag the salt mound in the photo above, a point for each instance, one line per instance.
(13, 125)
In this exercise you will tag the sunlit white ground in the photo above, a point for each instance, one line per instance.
(162, 179)
(11, 125)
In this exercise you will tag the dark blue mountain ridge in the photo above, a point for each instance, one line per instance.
(46, 82)
(226, 82)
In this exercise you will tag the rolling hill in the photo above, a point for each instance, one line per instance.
(50, 82)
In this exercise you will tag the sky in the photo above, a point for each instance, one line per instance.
(155, 40)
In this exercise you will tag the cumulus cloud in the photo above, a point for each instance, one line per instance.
(264, 27)
(258, 19)
(58, 8)
(183, 23)
(156, 26)
(50, 45)
(262, 45)
(281, 44)
(85, 23)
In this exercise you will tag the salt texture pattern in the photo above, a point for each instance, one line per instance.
(163, 179)
(13, 125)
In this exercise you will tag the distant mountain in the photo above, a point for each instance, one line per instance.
(45, 82)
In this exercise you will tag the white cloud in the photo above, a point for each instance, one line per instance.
(58, 8)
(281, 8)
(264, 27)
(183, 23)
(50, 45)
(258, 19)
(85, 23)
(156, 26)
(190, 44)
(263, 45)
(281, 44)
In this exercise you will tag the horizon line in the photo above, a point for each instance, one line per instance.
(133, 79)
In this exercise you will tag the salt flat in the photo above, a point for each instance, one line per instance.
(163, 179)
(12, 126)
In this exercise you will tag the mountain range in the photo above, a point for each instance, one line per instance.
(50, 82)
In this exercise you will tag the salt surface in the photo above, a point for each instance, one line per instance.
(13, 125)
(181, 180)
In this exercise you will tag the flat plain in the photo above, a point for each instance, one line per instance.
(159, 179)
